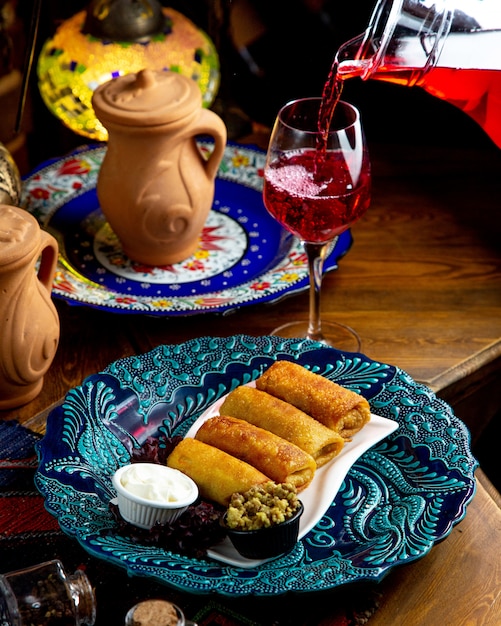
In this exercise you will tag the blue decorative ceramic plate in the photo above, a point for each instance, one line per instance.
(398, 499)
(244, 255)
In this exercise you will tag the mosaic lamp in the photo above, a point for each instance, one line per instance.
(115, 37)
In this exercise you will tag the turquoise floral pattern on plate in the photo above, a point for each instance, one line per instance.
(398, 499)
(244, 256)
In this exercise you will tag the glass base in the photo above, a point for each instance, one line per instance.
(333, 334)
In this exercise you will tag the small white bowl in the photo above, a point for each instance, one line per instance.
(145, 512)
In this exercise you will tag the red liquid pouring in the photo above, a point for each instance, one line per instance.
(330, 97)
(312, 192)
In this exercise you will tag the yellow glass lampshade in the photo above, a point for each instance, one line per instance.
(73, 64)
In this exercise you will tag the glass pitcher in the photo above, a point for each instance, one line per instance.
(451, 48)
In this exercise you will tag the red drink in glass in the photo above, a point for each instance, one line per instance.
(315, 200)
(316, 184)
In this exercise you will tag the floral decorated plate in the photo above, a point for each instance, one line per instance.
(399, 498)
(244, 255)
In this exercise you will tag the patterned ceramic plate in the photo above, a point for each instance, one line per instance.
(398, 499)
(244, 256)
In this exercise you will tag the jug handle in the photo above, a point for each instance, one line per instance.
(209, 123)
(48, 262)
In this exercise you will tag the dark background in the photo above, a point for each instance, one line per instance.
(294, 55)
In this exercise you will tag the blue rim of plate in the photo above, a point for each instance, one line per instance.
(399, 498)
(244, 256)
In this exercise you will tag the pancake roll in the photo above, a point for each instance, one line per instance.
(217, 474)
(334, 406)
(276, 416)
(281, 460)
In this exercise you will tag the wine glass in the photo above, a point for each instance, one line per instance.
(317, 184)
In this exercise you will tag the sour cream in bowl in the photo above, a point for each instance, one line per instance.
(148, 493)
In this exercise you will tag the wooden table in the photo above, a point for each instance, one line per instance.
(422, 287)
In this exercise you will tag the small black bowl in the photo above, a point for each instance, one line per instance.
(266, 543)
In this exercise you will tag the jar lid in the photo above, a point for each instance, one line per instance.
(19, 233)
(155, 612)
(148, 98)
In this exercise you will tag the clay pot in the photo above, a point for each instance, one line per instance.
(155, 187)
(29, 324)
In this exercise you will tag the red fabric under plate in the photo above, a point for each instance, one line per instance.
(21, 514)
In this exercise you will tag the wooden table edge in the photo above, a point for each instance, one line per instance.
(488, 487)
(467, 367)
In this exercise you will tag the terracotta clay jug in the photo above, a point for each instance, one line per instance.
(29, 323)
(155, 186)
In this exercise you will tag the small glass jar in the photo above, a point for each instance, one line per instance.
(44, 595)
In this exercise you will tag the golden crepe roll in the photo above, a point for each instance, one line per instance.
(338, 408)
(218, 475)
(263, 410)
(281, 460)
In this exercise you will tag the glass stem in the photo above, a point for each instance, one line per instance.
(316, 253)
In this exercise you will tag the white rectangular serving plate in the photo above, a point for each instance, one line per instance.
(322, 490)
